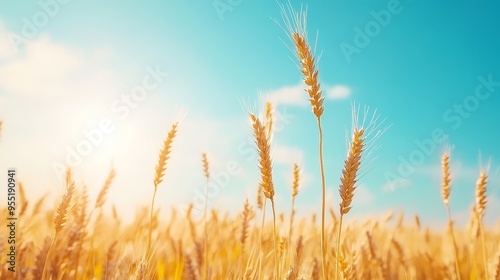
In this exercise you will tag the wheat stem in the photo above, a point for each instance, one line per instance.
(445, 191)
(159, 173)
(205, 241)
(349, 180)
(479, 209)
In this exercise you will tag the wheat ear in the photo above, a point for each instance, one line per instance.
(479, 209)
(348, 181)
(269, 119)
(261, 201)
(264, 150)
(159, 173)
(295, 191)
(246, 216)
(206, 171)
(61, 217)
(310, 73)
(101, 198)
(445, 192)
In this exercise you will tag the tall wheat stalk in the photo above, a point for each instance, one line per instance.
(264, 150)
(259, 198)
(260, 201)
(296, 29)
(206, 171)
(61, 217)
(445, 191)
(295, 191)
(348, 181)
(479, 210)
(159, 173)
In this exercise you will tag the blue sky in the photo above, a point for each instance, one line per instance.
(428, 68)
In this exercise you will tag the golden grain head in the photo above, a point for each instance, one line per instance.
(481, 194)
(101, 198)
(206, 165)
(295, 185)
(64, 207)
(264, 150)
(350, 171)
(269, 119)
(445, 189)
(310, 74)
(164, 156)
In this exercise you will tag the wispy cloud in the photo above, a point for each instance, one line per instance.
(288, 95)
(296, 95)
(363, 195)
(287, 155)
(338, 92)
(45, 69)
(6, 49)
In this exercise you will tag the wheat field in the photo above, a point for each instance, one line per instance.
(86, 243)
(78, 239)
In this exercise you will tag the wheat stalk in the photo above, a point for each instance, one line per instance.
(296, 29)
(316, 99)
(349, 180)
(61, 217)
(264, 150)
(206, 171)
(101, 198)
(295, 191)
(479, 210)
(261, 201)
(497, 266)
(159, 173)
(445, 192)
(246, 216)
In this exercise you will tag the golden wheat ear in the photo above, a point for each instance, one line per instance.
(101, 198)
(445, 193)
(480, 211)
(264, 150)
(159, 173)
(369, 126)
(164, 155)
(295, 27)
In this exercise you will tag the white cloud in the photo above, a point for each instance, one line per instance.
(289, 95)
(338, 92)
(296, 95)
(45, 69)
(287, 155)
(362, 195)
(396, 184)
(6, 49)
